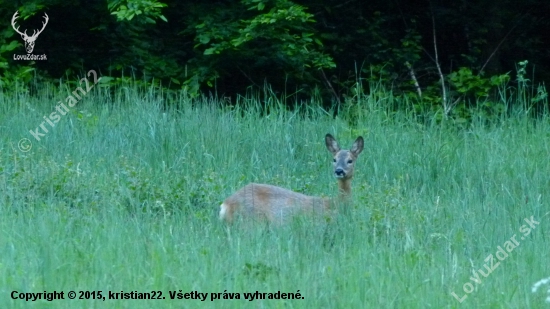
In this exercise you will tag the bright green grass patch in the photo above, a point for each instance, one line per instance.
(122, 194)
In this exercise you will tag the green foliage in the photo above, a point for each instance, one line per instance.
(466, 83)
(284, 26)
(530, 98)
(278, 28)
(128, 9)
(15, 77)
(312, 47)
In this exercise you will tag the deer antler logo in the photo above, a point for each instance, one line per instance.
(29, 40)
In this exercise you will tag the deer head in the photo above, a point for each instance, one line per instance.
(29, 40)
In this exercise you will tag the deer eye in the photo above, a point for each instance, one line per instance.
(334, 160)
(350, 161)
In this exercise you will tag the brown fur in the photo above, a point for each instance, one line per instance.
(276, 204)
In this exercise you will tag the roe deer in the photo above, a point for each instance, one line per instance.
(276, 204)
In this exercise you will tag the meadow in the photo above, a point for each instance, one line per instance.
(122, 195)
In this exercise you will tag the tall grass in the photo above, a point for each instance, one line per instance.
(123, 195)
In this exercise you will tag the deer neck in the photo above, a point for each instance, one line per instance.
(344, 189)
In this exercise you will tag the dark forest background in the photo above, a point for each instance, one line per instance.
(433, 53)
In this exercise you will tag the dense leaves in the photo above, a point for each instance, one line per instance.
(436, 54)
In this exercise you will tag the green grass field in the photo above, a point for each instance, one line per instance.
(122, 194)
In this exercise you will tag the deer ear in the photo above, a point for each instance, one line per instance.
(332, 144)
(358, 146)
